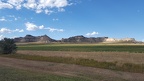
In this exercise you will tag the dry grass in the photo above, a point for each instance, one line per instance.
(119, 57)
(90, 73)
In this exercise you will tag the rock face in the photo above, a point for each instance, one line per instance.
(74, 39)
(126, 40)
(82, 39)
(30, 38)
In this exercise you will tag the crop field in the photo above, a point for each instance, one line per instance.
(75, 62)
(85, 47)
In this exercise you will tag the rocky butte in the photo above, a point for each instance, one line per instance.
(30, 38)
(74, 39)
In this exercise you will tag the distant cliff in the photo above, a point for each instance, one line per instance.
(74, 39)
(82, 39)
(124, 40)
(30, 38)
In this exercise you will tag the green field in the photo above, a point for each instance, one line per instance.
(88, 48)
(84, 48)
(12, 74)
(105, 50)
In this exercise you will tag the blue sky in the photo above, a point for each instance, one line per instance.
(65, 18)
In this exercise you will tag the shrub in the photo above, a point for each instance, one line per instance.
(7, 46)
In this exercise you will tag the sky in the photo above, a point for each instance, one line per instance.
(66, 18)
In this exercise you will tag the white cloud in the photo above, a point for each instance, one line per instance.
(61, 9)
(61, 3)
(3, 19)
(16, 3)
(39, 10)
(5, 5)
(18, 30)
(5, 30)
(21, 30)
(92, 34)
(9, 18)
(39, 6)
(53, 29)
(41, 27)
(31, 4)
(48, 11)
(51, 4)
(33, 27)
(55, 19)
(13, 17)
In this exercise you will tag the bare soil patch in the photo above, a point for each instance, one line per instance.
(120, 57)
(71, 70)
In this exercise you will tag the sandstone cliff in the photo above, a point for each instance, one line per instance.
(74, 39)
(124, 40)
(82, 39)
(30, 38)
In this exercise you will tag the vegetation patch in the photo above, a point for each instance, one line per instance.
(7, 46)
(128, 67)
(84, 48)
(11, 74)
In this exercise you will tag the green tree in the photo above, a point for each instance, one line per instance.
(8, 46)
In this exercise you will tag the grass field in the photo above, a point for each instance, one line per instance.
(120, 62)
(127, 50)
(127, 67)
(26, 70)
(84, 47)
(12, 74)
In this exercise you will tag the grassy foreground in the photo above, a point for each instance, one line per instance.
(84, 47)
(128, 67)
(12, 74)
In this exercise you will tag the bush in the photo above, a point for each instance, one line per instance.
(7, 46)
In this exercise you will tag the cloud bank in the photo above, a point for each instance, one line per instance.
(5, 30)
(39, 6)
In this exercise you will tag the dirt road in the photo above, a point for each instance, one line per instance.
(71, 70)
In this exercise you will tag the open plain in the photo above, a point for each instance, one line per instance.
(41, 63)
(120, 57)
